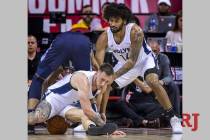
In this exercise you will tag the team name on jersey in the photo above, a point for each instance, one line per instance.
(121, 51)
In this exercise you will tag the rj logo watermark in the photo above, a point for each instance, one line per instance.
(190, 120)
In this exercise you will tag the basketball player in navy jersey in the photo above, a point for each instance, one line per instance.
(73, 46)
(126, 41)
(63, 96)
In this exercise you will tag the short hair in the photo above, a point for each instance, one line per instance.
(31, 35)
(117, 10)
(107, 68)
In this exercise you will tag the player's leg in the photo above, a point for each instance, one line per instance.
(49, 62)
(152, 80)
(40, 114)
(81, 59)
(50, 106)
(174, 96)
(74, 114)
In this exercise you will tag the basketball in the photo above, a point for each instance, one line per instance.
(57, 125)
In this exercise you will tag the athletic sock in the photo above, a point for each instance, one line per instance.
(31, 110)
(170, 113)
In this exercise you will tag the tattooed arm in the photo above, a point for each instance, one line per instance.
(136, 43)
(41, 113)
(80, 82)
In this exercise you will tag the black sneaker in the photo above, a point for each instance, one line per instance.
(108, 128)
(153, 123)
(31, 130)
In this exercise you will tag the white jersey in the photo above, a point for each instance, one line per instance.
(63, 86)
(121, 52)
(62, 94)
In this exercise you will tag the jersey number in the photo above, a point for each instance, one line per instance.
(125, 57)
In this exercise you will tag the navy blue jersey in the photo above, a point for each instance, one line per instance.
(68, 46)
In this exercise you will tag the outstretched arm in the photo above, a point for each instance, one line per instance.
(80, 82)
(101, 46)
(94, 62)
(136, 43)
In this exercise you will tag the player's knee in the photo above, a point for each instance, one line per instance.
(152, 80)
(151, 73)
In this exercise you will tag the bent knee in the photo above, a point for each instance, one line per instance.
(152, 80)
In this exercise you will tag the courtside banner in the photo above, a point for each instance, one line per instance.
(39, 11)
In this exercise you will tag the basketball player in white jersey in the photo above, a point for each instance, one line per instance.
(127, 43)
(63, 96)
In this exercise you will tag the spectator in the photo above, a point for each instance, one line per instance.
(90, 21)
(79, 27)
(175, 36)
(158, 22)
(104, 22)
(164, 73)
(138, 105)
(33, 57)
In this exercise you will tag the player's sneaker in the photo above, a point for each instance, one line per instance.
(79, 128)
(153, 123)
(31, 129)
(108, 128)
(176, 137)
(176, 125)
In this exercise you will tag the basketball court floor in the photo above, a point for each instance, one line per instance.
(132, 134)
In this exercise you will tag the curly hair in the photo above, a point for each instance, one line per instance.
(117, 10)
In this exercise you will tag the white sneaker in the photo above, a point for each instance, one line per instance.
(176, 125)
(176, 137)
(79, 128)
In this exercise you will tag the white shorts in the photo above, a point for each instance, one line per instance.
(146, 62)
(58, 105)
